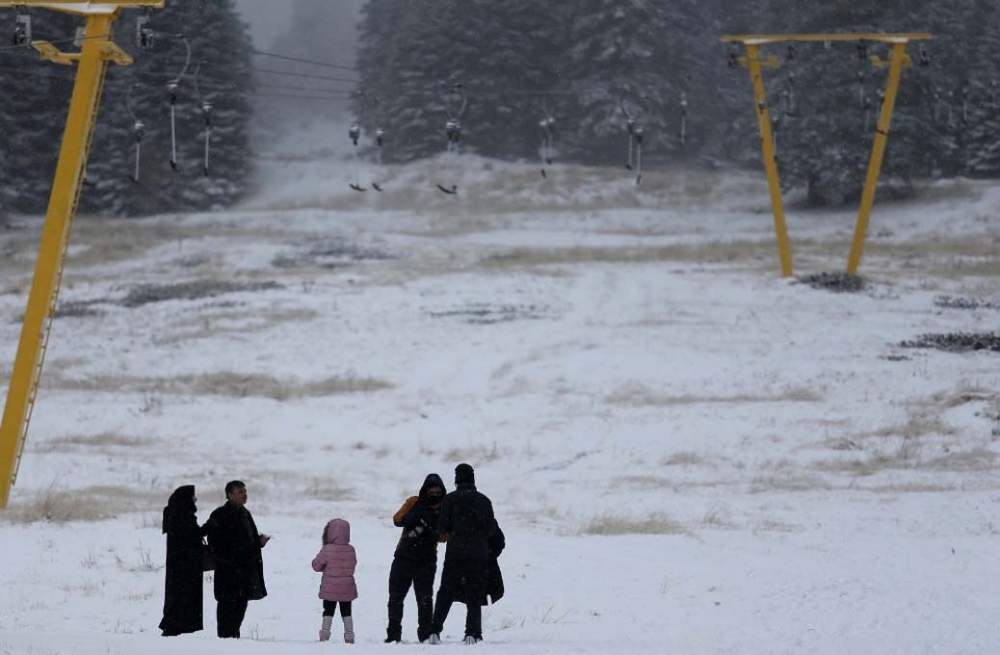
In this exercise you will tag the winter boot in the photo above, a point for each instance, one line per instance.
(324, 633)
(348, 629)
(434, 639)
(471, 641)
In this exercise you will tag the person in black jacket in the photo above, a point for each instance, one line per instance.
(239, 564)
(467, 520)
(183, 598)
(415, 561)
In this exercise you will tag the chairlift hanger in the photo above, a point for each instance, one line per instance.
(548, 129)
(22, 28)
(206, 114)
(635, 133)
(138, 131)
(456, 102)
(172, 87)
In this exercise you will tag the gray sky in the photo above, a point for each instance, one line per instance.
(267, 18)
(271, 19)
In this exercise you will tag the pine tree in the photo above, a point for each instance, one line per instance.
(221, 45)
(616, 60)
(977, 107)
(35, 108)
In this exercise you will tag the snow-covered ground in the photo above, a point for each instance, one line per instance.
(688, 454)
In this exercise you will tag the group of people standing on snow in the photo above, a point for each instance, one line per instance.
(463, 519)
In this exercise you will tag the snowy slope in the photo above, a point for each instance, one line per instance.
(687, 453)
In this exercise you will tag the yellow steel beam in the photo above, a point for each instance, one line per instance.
(80, 123)
(770, 163)
(49, 52)
(763, 39)
(875, 162)
(85, 7)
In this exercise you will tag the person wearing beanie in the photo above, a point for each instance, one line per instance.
(467, 520)
(415, 560)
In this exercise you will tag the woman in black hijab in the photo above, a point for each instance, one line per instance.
(182, 603)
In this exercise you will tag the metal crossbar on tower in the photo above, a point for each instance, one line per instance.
(96, 51)
(753, 62)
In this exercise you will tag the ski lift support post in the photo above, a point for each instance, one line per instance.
(753, 62)
(96, 51)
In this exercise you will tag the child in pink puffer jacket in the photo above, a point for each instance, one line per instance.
(337, 561)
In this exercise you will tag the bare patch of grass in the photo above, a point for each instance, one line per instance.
(13, 289)
(615, 524)
(684, 458)
(910, 488)
(907, 457)
(717, 252)
(985, 267)
(715, 517)
(639, 395)
(87, 589)
(102, 441)
(114, 240)
(217, 324)
(324, 490)
(979, 459)
(966, 392)
(143, 564)
(904, 457)
(787, 481)
(474, 454)
(89, 561)
(223, 383)
(642, 481)
(95, 503)
(774, 525)
(144, 294)
(917, 425)
(138, 596)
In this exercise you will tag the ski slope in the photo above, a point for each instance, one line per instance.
(687, 453)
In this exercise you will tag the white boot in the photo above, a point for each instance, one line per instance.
(470, 640)
(348, 629)
(324, 633)
(434, 639)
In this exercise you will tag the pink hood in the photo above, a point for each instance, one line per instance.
(338, 531)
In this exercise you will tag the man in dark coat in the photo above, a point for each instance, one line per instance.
(467, 519)
(239, 564)
(182, 600)
(415, 560)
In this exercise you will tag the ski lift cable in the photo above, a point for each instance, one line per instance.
(60, 41)
(228, 86)
(302, 60)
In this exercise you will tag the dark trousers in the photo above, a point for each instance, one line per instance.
(465, 582)
(330, 608)
(229, 617)
(421, 575)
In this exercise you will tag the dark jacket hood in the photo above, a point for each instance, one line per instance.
(181, 503)
(431, 481)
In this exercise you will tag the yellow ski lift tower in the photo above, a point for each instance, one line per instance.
(96, 51)
(753, 62)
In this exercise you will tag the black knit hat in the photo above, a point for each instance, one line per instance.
(464, 474)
